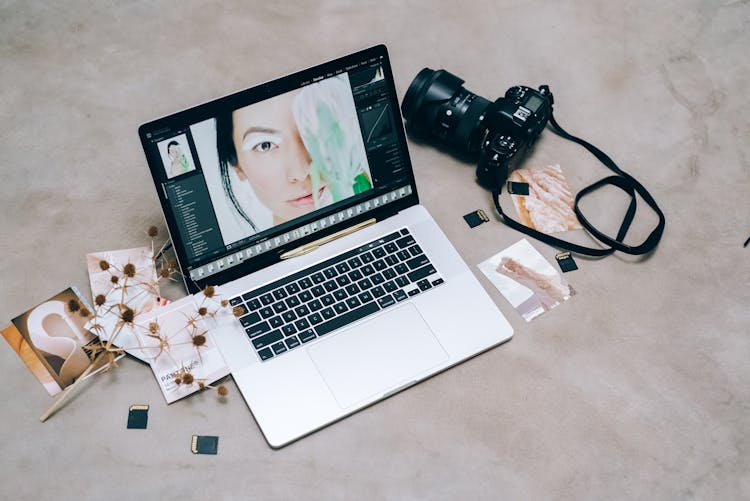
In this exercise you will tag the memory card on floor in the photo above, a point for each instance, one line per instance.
(476, 218)
(138, 417)
(515, 188)
(205, 444)
(566, 262)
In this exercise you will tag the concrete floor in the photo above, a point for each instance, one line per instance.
(635, 388)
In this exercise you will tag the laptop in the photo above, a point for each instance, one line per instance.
(297, 199)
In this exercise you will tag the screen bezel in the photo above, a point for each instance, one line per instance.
(252, 95)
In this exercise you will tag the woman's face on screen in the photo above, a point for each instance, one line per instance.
(272, 157)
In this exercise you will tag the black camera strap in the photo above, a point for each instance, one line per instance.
(621, 180)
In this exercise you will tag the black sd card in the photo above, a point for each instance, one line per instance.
(566, 262)
(204, 444)
(518, 188)
(138, 417)
(476, 218)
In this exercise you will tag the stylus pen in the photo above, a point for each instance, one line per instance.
(309, 247)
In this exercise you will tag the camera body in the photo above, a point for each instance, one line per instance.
(495, 134)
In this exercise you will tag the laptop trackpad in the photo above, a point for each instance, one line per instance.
(377, 356)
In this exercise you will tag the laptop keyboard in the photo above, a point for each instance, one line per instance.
(311, 303)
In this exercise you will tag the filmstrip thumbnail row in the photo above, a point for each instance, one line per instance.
(273, 243)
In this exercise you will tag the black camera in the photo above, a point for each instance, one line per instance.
(493, 134)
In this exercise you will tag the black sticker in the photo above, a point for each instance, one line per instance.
(566, 262)
(476, 218)
(204, 444)
(518, 188)
(138, 417)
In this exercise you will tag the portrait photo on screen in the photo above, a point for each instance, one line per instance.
(284, 157)
(176, 156)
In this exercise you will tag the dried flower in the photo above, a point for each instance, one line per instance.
(209, 291)
(114, 279)
(199, 340)
(222, 390)
(153, 327)
(178, 380)
(104, 265)
(127, 315)
(164, 272)
(188, 378)
(238, 311)
(201, 385)
(129, 270)
(153, 231)
(84, 312)
(202, 311)
(224, 303)
(100, 299)
(74, 305)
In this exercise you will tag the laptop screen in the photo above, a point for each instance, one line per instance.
(251, 175)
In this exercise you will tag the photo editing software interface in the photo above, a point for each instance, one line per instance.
(274, 171)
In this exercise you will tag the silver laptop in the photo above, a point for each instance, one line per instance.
(297, 198)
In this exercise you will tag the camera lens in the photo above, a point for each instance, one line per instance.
(436, 104)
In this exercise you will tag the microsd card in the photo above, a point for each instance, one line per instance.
(515, 188)
(204, 444)
(476, 218)
(138, 417)
(566, 262)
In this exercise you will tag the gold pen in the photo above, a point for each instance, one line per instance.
(311, 246)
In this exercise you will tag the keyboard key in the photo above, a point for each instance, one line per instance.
(378, 291)
(318, 290)
(329, 273)
(266, 299)
(315, 305)
(279, 294)
(258, 329)
(415, 250)
(339, 295)
(421, 273)
(253, 304)
(327, 300)
(404, 231)
(305, 296)
(367, 270)
(315, 318)
(346, 318)
(235, 301)
(292, 288)
(355, 275)
(265, 353)
(266, 312)
(407, 241)
(414, 292)
(302, 311)
(267, 339)
(343, 280)
(276, 322)
(392, 259)
(389, 274)
(293, 302)
(365, 297)
(355, 262)
(437, 281)
(404, 255)
(342, 268)
(328, 313)
(305, 283)
(386, 301)
(289, 316)
(380, 265)
(288, 330)
(400, 295)
(352, 302)
(379, 252)
(278, 348)
(340, 308)
(330, 286)
(306, 336)
(367, 258)
(377, 279)
(250, 319)
(402, 281)
(248, 296)
(279, 307)
(352, 289)
(364, 284)
(417, 262)
(302, 324)
(291, 342)
(318, 278)
(390, 286)
(424, 284)
(391, 247)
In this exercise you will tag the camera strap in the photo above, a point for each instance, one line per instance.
(621, 180)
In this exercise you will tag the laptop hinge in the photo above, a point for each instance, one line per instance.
(311, 246)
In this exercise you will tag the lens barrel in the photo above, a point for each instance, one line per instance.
(436, 104)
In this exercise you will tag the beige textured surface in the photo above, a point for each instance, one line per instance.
(635, 388)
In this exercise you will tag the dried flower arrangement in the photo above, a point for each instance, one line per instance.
(105, 352)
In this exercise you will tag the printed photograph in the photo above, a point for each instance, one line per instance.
(175, 155)
(284, 157)
(549, 205)
(527, 280)
(51, 339)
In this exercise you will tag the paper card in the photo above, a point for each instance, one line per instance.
(526, 280)
(175, 341)
(548, 207)
(51, 340)
(139, 292)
